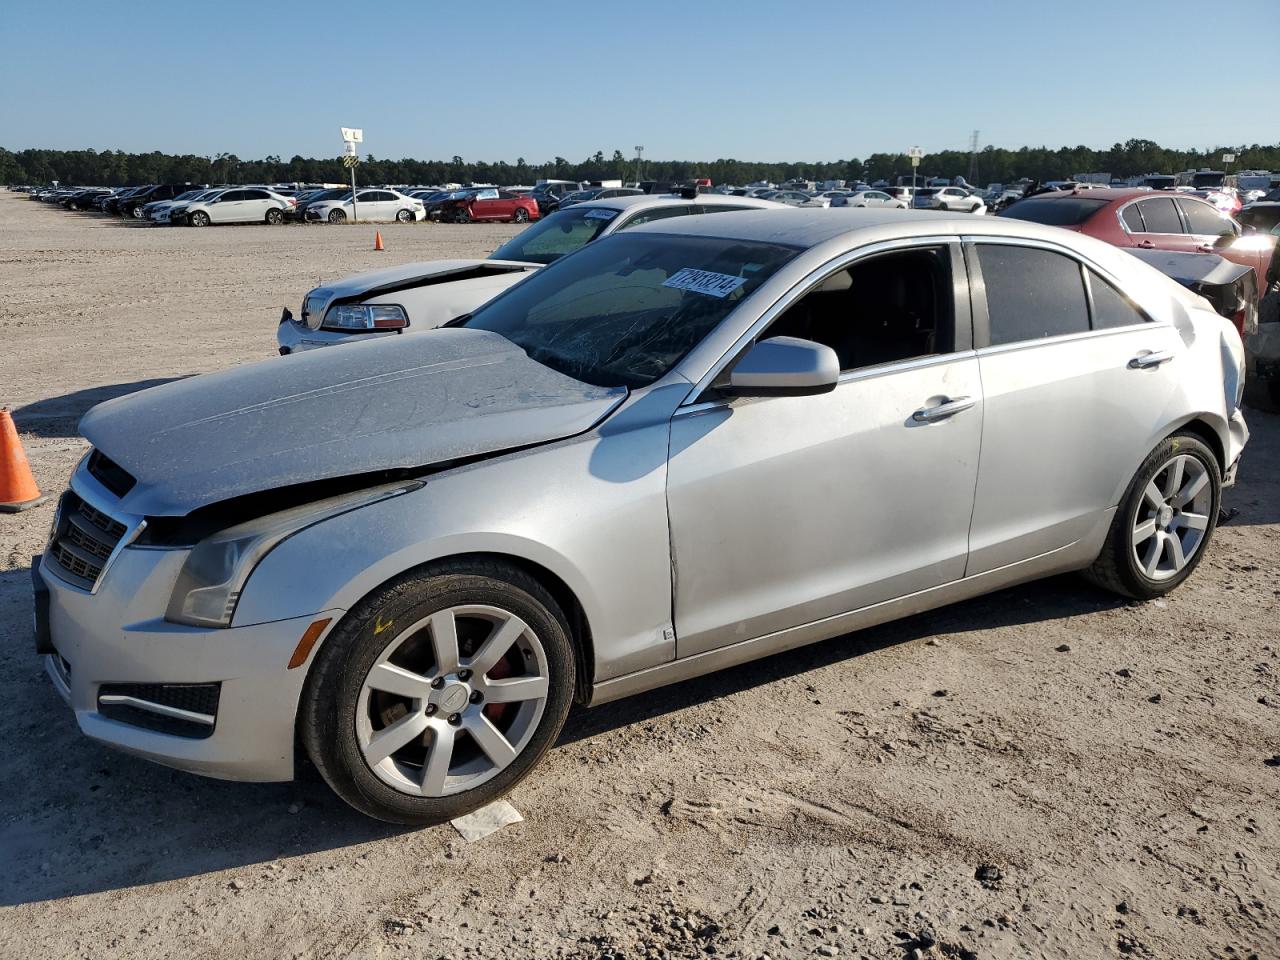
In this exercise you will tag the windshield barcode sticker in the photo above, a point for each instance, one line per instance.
(600, 214)
(718, 285)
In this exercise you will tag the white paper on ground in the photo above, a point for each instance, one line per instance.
(478, 825)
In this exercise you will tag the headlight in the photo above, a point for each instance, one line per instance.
(209, 586)
(350, 317)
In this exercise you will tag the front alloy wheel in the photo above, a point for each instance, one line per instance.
(439, 692)
(198, 219)
(337, 216)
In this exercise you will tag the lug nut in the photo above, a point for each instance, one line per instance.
(476, 696)
(437, 683)
(455, 718)
(431, 708)
(464, 675)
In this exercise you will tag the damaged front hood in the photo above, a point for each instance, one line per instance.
(388, 404)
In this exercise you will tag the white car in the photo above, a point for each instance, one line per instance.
(869, 198)
(235, 205)
(949, 198)
(373, 204)
(798, 198)
(417, 297)
(159, 212)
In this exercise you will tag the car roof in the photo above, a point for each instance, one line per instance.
(635, 201)
(806, 228)
(1110, 194)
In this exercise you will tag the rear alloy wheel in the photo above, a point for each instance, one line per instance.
(521, 215)
(440, 692)
(1164, 522)
(337, 216)
(404, 216)
(198, 219)
(275, 216)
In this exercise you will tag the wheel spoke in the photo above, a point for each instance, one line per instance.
(1175, 551)
(403, 683)
(1188, 491)
(444, 640)
(496, 747)
(1154, 553)
(1173, 476)
(1152, 495)
(1144, 530)
(436, 769)
(1193, 521)
(498, 643)
(515, 690)
(390, 739)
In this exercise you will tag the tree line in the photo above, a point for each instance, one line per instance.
(993, 164)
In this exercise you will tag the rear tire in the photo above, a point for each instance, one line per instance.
(344, 710)
(520, 216)
(1175, 495)
(198, 219)
(404, 216)
(275, 216)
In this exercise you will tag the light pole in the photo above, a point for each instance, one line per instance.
(639, 165)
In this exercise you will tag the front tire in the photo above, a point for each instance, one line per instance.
(198, 219)
(337, 216)
(440, 692)
(1164, 522)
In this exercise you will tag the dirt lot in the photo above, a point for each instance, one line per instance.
(1105, 762)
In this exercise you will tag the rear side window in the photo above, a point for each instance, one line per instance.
(1111, 308)
(1204, 219)
(1160, 215)
(1031, 294)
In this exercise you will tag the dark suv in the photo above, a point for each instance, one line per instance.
(132, 205)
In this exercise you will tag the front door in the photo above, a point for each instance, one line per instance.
(787, 510)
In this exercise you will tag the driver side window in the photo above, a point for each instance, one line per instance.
(883, 309)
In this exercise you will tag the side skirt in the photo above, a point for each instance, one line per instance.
(1073, 556)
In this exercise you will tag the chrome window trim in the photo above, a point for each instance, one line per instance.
(849, 376)
(798, 290)
(1068, 338)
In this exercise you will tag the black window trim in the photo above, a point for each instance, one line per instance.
(978, 293)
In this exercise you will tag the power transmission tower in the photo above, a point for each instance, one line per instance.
(973, 159)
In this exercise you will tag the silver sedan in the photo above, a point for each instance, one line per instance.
(686, 446)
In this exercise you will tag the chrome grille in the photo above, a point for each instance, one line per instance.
(83, 541)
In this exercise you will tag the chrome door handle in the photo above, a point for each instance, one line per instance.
(949, 407)
(1150, 359)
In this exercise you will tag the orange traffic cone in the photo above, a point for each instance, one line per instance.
(18, 489)
(377, 240)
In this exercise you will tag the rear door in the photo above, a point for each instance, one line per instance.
(1208, 225)
(1069, 407)
(1154, 223)
(254, 207)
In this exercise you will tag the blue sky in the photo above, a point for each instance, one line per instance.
(694, 80)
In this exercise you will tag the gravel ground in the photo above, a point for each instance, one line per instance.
(1044, 772)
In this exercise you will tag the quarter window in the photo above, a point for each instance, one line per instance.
(1031, 294)
(659, 213)
(1160, 215)
(1204, 219)
(1132, 219)
(1111, 308)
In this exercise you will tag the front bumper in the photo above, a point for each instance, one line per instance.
(101, 638)
(295, 337)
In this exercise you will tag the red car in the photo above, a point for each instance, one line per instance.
(1150, 220)
(489, 203)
